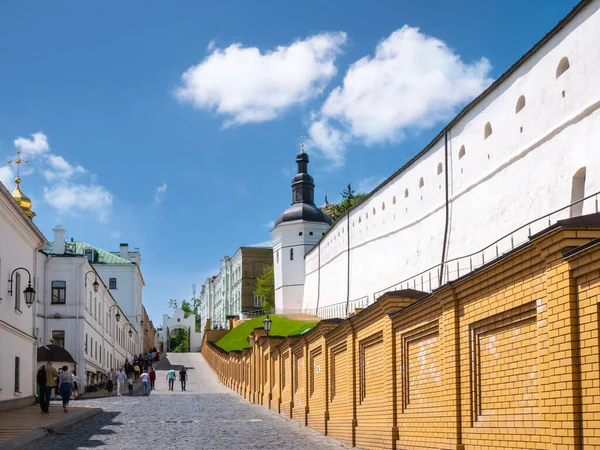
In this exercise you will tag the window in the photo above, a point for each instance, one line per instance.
(112, 283)
(91, 346)
(394, 200)
(310, 233)
(382, 207)
(258, 300)
(405, 193)
(17, 291)
(300, 233)
(96, 351)
(520, 104)
(487, 130)
(17, 374)
(59, 292)
(291, 254)
(58, 338)
(440, 168)
(100, 354)
(461, 152)
(86, 342)
(421, 182)
(563, 66)
(578, 192)
(89, 254)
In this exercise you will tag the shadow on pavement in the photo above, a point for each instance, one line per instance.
(165, 364)
(80, 434)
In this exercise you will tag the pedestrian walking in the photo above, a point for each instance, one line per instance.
(145, 378)
(130, 384)
(46, 379)
(111, 380)
(120, 381)
(183, 377)
(171, 378)
(152, 378)
(75, 384)
(65, 387)
(136, 370)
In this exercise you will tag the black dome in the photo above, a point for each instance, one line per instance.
(303, 211)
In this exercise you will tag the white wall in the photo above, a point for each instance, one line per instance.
(512, 177)
(18, 243)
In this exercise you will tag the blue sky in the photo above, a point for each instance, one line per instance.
(174, 128)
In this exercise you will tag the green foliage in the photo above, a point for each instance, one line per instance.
(265, 286)
(349, 199)
(173, 304)
(237, 339)
(180, 342)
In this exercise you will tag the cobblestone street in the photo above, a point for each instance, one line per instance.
(206, 416)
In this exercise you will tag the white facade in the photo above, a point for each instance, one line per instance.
(525, 148)
(85, 320)
(179, 321)
(291, 241)
(20, 241)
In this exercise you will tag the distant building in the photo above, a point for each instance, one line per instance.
(231, 291)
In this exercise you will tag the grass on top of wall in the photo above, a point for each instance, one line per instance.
(236, 339)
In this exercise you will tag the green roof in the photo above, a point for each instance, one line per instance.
(237, 339)
(104, 257)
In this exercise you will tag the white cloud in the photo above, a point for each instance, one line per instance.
(270, 224)
(367, 184)
(6, 176)
(247, 86)
(115, 234)
(412, 82)
(160, 193)
(37, 145)
(61, 168)
(68, 197)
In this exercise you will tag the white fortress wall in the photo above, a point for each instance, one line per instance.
(500, 183)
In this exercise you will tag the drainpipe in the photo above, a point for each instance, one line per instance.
(34, 334)
(447, 222)
(348, 268)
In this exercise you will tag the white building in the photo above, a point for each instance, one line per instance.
(20, 241)
(73, 315)
(295, 233)
(179, 321)
(526, 147)
(231, 291)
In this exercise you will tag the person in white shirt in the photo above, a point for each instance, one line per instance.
(120, 380)
(145, 378)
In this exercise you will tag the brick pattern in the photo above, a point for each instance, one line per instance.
(506, 358)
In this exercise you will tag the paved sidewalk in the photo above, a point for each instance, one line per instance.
(20, 427)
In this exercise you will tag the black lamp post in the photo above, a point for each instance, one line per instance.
(117, 315)
(29, 292)
(267, 324)
(95, 284)
(130, 329)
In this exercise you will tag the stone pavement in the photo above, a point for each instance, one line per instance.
(207, 416)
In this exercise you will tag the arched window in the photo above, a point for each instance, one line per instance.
(461, 152)
(383, 206)
(394, 200)
(487, 130)
(520, 104)
(359, 219)
(421, 183)
(563, 66)
(374, 212)
(440, 168)
(405, 193)
(578, 192)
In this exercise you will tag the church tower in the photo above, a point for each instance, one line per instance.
(296, 231)
(23, 201)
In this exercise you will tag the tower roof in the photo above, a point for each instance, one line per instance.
(303, 194)
(23, 201)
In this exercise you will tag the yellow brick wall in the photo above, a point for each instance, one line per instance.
(506, 358)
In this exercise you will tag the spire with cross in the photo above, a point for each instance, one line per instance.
(18, 161)
(23, 201)
(301, 138)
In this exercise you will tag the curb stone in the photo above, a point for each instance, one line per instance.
(33, 435)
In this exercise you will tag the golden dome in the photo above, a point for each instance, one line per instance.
(23, 201)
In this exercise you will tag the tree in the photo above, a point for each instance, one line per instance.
(349, 199)
(265, 286)
(180, 342)
(173, 304)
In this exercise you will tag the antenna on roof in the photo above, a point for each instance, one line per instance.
(193, 291)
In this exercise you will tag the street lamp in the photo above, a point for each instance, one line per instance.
(141, 320)
(130, 329)
(267, 324)
(95, 284)
(117, 315)
(29, 291)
